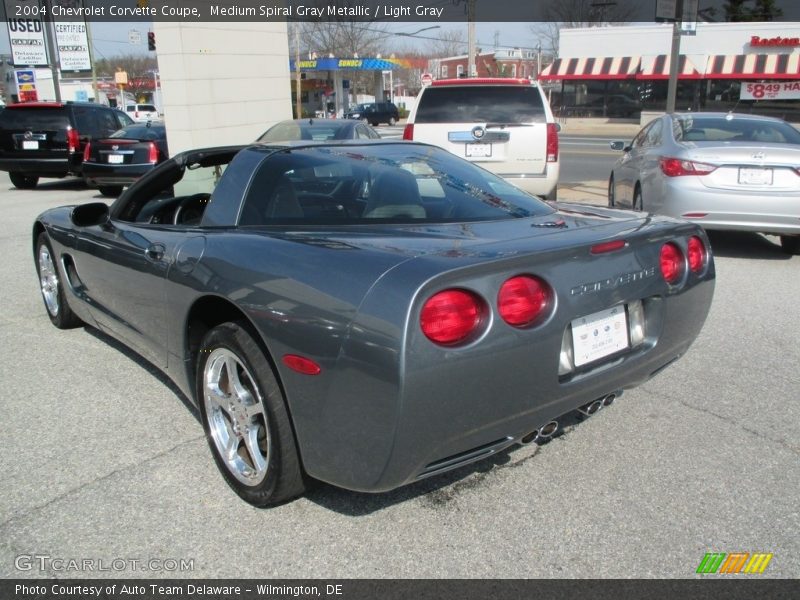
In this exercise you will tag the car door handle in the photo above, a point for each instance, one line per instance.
(155, 252)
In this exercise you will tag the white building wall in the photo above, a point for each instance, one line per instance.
(222, 83)
(711, 38)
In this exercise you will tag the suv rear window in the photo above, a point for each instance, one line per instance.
(484, 104)
(35, 119)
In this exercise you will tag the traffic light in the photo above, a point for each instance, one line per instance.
(151, 41)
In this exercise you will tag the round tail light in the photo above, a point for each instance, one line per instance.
(523, 300)
(671, 263)
(696, 251)
(452, 316)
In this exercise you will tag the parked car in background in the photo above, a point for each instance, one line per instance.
(47, 139)
(720, 170)
(374, 113)
(372, 314)
(504, 125)
(322, 130)
(120, 159)
(141, 113)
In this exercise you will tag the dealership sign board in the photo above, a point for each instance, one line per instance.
(73, 45)
(775, 90)
(26, 33)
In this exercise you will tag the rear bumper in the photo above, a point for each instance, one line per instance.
(100, 174)
(538, 184)
(42, 167)
(777, 213)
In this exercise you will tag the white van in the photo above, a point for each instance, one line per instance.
(504, 125)
(141, 113)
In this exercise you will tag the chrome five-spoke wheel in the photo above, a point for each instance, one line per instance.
(48, 278)
(236, 418)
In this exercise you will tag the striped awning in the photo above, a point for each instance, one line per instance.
(609, 67)
(760, 66)
(657, 67)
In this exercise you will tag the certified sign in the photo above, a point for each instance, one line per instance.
(71, 39)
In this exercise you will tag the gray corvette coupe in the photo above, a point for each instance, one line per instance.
(370, 314)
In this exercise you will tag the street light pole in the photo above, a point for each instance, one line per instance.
(675, 55)
(471, 71)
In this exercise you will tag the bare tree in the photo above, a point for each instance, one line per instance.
(139, 69)
(449, 43)
(567, 14)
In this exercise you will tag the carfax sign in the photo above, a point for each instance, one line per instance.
(71, 39)
(24, 19)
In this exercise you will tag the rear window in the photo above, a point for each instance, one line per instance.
(391, 183)
(483, 104)
(147, 108)
(140, 133)
(295, 131)
(721, 129)
(35, 119)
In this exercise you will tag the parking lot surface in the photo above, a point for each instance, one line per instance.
(103, 459)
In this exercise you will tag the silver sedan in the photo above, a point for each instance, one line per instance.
(722, 171)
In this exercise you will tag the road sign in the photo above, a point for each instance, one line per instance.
(426, 79)
(134, 37)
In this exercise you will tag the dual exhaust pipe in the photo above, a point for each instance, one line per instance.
(587, 410)
(544, 432)
(547, 430)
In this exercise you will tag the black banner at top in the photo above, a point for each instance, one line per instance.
(387, 11)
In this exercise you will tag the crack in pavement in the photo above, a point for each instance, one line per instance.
(75, 490)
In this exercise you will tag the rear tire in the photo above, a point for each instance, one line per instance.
(51, 286)
(611, 194)
(392, 120)
(110, 191)
(790, 244)
(22, 181)
(245, 418)
(553, 195)
(637, 198)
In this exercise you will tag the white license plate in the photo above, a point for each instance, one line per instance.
(599, 334)
(115, 159)
(28, 145)
(478, 150)
(749, 176)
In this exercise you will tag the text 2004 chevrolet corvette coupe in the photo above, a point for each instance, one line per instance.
(371, 314)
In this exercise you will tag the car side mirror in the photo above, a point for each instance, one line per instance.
(618, 145)
(90, 215)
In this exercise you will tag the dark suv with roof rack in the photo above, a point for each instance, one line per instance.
(47, 139)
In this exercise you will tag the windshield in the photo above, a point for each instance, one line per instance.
(394, 183)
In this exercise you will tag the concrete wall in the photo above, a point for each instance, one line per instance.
(222, 83)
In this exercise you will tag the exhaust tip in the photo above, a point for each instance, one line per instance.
(609, 399)
(591, 408)
(530, 438)
(549, 429)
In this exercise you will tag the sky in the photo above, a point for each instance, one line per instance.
(111, 39)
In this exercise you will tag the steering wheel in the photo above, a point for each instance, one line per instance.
(190, 210)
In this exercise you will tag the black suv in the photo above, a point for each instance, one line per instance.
(375, 113)
(47, 139)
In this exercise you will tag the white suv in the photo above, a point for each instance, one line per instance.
(504, 125)
(141, 113)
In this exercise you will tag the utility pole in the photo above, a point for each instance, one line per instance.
(298, 79)
(471, 71)
(52, 55)
(675, 55)
(91, 62)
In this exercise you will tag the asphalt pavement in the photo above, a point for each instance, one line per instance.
(104, 460)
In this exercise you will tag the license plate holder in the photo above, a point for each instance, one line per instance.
(599, 334)
(30, 145)
(116, 159)
(477, 150)
(755, 176)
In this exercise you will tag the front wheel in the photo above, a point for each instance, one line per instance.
(245, 418)
(55, 300)
(790, 244)
(22, 181)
